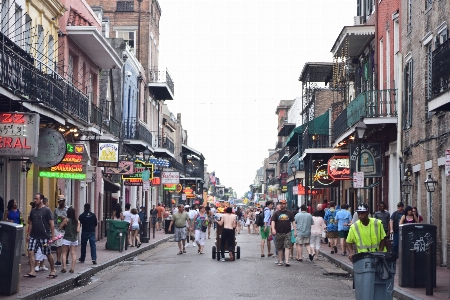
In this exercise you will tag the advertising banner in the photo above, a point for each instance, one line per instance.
(108, 155)
(170, 177)
(19, 134)
(368, 160)
(73, 165)
(339, 167)
(125, 167)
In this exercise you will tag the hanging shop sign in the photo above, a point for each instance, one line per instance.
(189, 192)
(108, 155)
(339, 167)
(302, 191)
(368, 160)
(284, 188)
(133, 182)
(170, 177)
(19, 134)
(170, 187)
(125, 167)
(72, 166)
(322, 179)
(139, 167)
(51, 148)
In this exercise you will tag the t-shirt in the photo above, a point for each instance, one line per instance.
(267, 216)
(40, 218)
(134, 219)
(192, 214)
(127, 216)
(330, 216)
(60, 213)
(343, 217)
(396, 216)
(384, 216)
(303, 221)
(160, 210)
(180, 219)
(283, 219)
(88, 221)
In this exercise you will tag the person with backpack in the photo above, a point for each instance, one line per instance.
(263, 221)
(332, 227)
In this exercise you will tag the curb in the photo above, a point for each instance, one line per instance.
(347, 267)
(73, 282)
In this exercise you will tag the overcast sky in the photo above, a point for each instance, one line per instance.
(232, 62)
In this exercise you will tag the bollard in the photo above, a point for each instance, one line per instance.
(412, 274)
(429, 281)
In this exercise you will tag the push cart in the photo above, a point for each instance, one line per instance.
(216, 248)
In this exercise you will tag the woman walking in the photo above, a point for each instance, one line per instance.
(71, 227)
(12, 214)
(409, 216)
(200, 227)
(134, 223)
(210, 215)
(117, 213)
(316, 233)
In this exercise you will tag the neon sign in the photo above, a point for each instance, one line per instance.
(18, 134)
(62, 175)
(339, 167)
(73, 165)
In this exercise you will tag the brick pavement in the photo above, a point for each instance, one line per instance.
(442, 278)
(41, 286)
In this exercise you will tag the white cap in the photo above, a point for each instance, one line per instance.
(187, 206)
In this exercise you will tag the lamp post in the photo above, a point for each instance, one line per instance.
(430, 185)
(294, 172)
(406, 188)
(360, 128)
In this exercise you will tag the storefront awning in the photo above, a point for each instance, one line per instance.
(319, 125)
(111, 186)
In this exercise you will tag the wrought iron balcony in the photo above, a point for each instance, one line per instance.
(169, 145)
(294, 161)
(315, 141)
(114, 127)
(96, 115)
(161, 84)
(369, 104)
(135, 130)
(28, 78)
(441, 68)
(284, 155)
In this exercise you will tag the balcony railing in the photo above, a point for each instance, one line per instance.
(315, 141)
(295, 162)
(114, 127)
(283, 152)
(135, 130)
(161, 76)
(19, 74)
(441, 68)
(169, 145)
(96, 115)
(369, 104)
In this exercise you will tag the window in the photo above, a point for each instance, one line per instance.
(409, 16)
(5, 16)
(18, 25)
(70, 69)
(51, 54)
(128, 36)
(105, 29)
(40, 48)
(408, 94)
(27, 34)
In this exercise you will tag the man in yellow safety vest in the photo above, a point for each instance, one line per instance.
(366, 234)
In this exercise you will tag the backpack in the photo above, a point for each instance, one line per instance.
(260, 219)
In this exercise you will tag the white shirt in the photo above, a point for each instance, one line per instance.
(192, 214)
(127, 216)
(134, 220)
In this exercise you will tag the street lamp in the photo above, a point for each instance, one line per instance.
(146, 154)
(430, 185)
(360, 128)
(406, 188)
(294, 172)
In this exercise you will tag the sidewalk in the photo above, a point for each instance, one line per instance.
(41, 286)
(441, 291)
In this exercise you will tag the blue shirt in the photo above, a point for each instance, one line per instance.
(267, 216)
(343, 217)
(330, 218)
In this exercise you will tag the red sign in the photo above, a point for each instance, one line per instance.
(339, 167)
(302, 190)
(18, 134)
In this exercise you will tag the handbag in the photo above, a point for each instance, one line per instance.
(204, 228)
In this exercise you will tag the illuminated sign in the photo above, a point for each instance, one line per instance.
(170, 177)
(108, 155)
(339, 167)
(133, 182)
(19, 134)
(321, 178)
(125, 167)
(170, 187)
(73, 165)
(189, 192)
(139, 166)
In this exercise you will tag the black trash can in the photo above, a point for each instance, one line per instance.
(11, 236)
(413, 240)
(166, 227)
(144, 234)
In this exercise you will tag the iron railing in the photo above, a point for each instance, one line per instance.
(114, 127)
(441, 68)
(294, 161)
(315, 141)
(369, 104)
(169, 145)
(96, 115)
(19, 74)
(156, 75)
(134, 129)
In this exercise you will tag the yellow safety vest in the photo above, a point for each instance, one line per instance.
(370, 241)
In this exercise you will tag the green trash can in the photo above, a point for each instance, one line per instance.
(115, 228)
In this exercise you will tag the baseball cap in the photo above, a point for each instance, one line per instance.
(283, 201)
(142, 206)
(400, 204)
(362, 207)
(187, 206)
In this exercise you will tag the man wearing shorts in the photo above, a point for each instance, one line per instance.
(332, 228)
(282, 222)
(41, 230)
(179, 219)
(303, 222)
(265, 230)
(344, 218)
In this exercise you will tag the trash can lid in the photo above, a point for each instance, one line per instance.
(388, 256)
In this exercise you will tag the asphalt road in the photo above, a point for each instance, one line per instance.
(160, 273)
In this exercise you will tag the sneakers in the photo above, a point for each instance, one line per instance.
(58, 263)
(188, 245)
(335, 249)
(311, 257)
(36, 268)
(222, 259)
(94, 262)
(81, 260)
(43, 268)
(194, 245)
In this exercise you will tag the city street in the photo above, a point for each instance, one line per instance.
(160, 272)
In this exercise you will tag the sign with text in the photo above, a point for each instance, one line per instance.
(125, 167)
(170, 177)
(140, 166)
(321, 178)
(19, 134)
(339, 167)
(73, 165)
(358, 180)
(108, 155)
(368, 160)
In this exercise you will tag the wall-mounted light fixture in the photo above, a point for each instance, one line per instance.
(26, 166)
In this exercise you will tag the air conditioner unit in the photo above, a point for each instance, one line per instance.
(359, 20)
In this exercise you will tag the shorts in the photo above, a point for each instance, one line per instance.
(343, 234)
(35, 244)
(304, 240)
(264, 233)
(135, 227)
(69, 243)
(332, 234)
(58, 242)
(283, 241)
(159, 220)
(180, 234)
